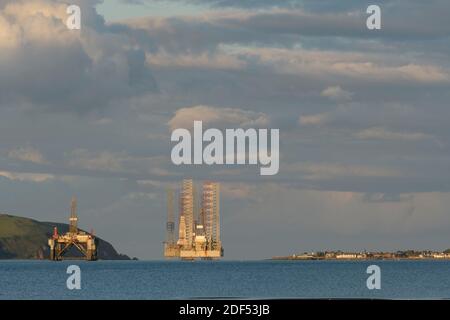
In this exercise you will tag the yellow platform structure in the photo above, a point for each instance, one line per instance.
(84, 242)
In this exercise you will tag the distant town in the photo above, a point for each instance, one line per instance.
(341, 255)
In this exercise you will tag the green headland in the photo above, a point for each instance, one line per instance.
(24, 238)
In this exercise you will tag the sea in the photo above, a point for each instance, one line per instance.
(224, 279)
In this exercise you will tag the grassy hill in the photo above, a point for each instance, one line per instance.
(23, 238)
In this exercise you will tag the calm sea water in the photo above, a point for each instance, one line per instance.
(203, 279)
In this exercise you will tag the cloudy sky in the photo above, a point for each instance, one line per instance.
(364, 118)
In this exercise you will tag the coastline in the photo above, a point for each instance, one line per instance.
(290, 258)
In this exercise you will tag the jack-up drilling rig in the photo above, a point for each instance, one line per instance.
(198, 224)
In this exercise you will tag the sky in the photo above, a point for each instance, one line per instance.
(363, 115)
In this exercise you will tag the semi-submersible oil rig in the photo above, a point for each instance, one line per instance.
(62, 244)
(198, 223)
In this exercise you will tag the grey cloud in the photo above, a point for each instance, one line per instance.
(316, 5)
(27, 153)
(386, 197)
(401, 18)
(59, 72)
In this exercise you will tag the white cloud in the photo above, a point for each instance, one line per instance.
(20, 176)
(191, 60)
(336, 93)
(379, 133)
(105, 161)
(364, 66)
(117, 162)
(22, 22)
(236, 190)
(314, 119)
(319, 171)
(185, 117)
(28, 154)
